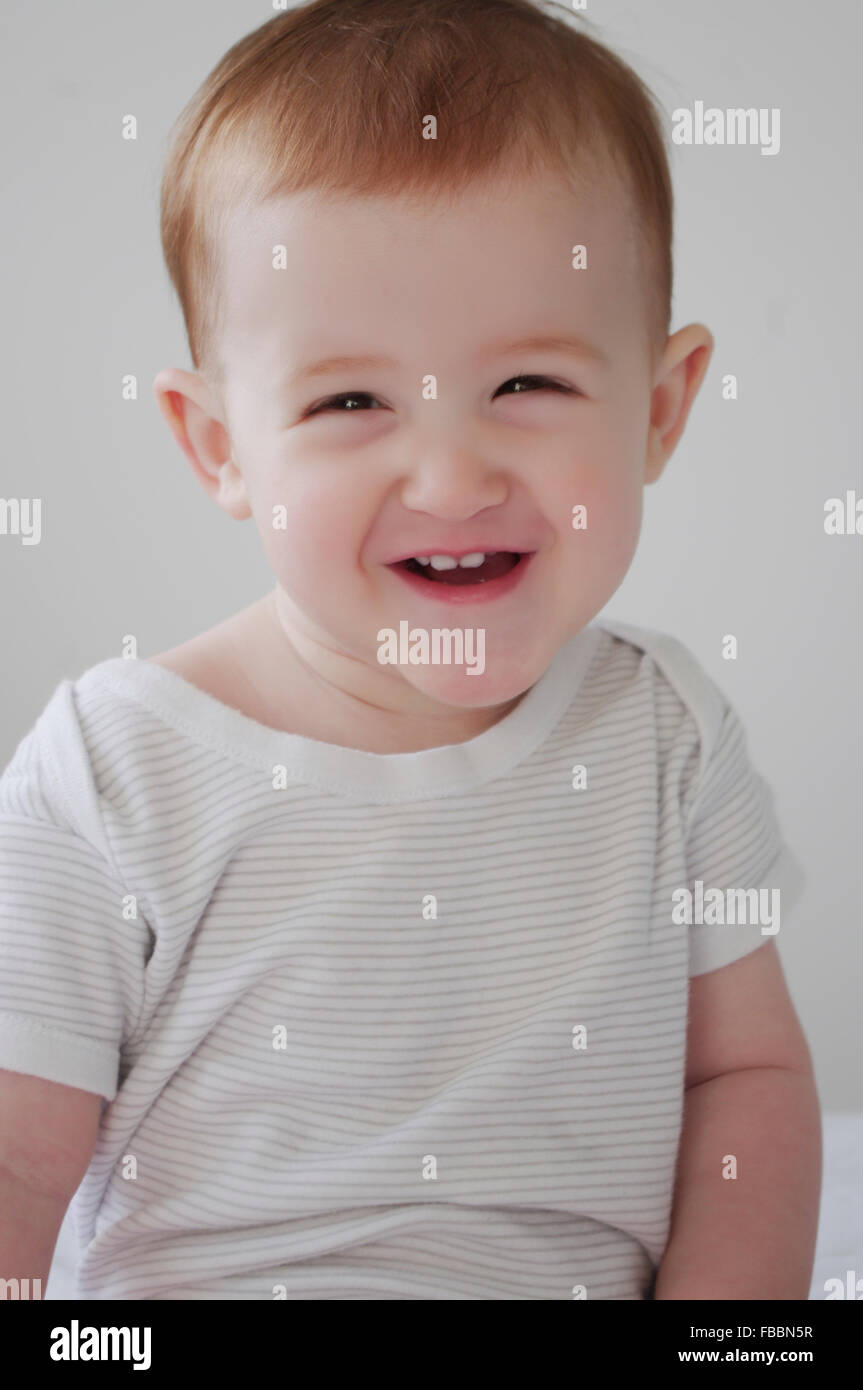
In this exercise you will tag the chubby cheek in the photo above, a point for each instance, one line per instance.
(310, 532)
(599, 539)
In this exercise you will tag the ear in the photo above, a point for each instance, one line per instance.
(679, 375)
(194, 418)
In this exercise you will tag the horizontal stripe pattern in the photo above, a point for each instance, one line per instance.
(333, 1024)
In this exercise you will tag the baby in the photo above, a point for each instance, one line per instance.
(410, 934)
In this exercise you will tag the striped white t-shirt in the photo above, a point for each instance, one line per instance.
(367, 1026)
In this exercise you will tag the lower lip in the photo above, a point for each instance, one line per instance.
(467, 593)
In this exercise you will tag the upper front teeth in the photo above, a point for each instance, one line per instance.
(448, 562)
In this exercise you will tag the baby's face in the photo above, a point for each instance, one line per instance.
(433, 450)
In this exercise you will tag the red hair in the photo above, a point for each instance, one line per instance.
(332, 96)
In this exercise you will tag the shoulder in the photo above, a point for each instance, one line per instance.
(50, 779)
(663, 661)
(87, 752)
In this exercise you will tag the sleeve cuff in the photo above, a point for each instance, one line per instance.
(37, 1049)
(712, 946)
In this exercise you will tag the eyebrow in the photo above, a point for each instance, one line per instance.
(573, 347)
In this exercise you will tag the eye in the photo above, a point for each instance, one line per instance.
(353, 399)
(331, 403)
(544, 383)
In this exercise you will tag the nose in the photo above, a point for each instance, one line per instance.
(453, 483)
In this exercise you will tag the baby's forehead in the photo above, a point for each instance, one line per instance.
(525, 246)
(594, 207)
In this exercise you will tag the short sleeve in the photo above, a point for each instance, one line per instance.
(70, 964)
(742, 878)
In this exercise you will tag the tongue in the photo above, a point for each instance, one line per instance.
(491, 568)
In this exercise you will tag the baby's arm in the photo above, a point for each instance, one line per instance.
(48, 1134)
(751, 1097)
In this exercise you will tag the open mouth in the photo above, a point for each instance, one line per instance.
(492, 567)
